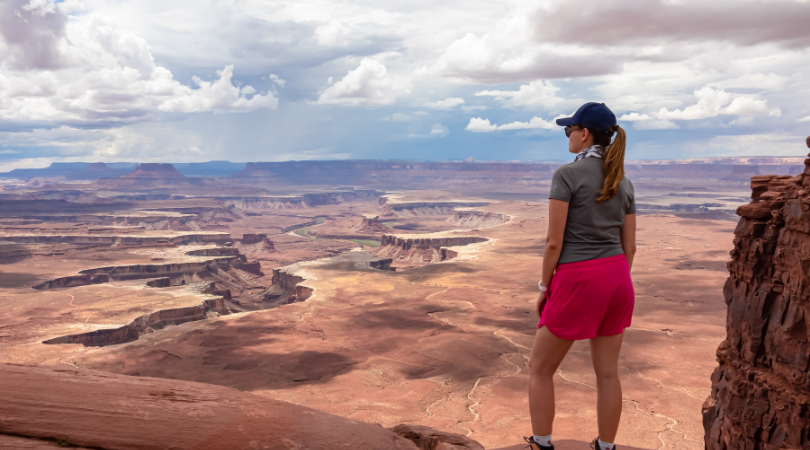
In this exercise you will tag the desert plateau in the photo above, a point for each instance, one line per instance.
(384, 305)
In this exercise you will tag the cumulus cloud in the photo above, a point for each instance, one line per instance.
(89, 70)
(437, 130)
(634, 116)
(712, 103)
(369, 84)
(472, 108)
(508, 55)
(655, 125)
(220, 96)
(479, 125)
(448, 103)
(333, 34)
(753, 81)
(804, 119)
(538, 92)
(32, 32)
(276, 79)
(646, 122)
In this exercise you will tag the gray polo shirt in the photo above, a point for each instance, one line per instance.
(593, 230)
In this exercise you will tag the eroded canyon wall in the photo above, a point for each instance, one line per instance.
(760, 395)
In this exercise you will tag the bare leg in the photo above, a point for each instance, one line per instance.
(548, 352)
(605, 356)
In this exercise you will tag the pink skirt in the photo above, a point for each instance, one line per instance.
(589, 298)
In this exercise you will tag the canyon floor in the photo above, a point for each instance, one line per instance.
(314, 315)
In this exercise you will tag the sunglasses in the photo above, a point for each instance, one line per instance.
(569, 130)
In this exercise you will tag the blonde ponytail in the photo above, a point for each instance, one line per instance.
(613, 165)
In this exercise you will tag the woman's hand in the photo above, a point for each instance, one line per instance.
(541, 303)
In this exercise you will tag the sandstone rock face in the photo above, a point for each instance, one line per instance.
(152, 170)
(371, 224)
(93, 409)
(412, 249)
(292, 283)
(761, 391)
(478, 219)
(148, 323)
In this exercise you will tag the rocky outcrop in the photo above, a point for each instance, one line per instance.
(300, 201)
(411, 249)
(74, 280)
(306, 224)
(142, 271)
(159, 282)
(414, 209)
(151, 170)
(370, 224)
(254, 244)
(429, 439)
(760, 395)
(214, 251)
(146, 323)
(93, 409)
(478, 219)
(292, 283)
(415, 242)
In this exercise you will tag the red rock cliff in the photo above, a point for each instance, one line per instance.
(93, 409)
(761, 390)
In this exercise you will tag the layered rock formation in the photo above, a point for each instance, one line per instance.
(370, 224)
(122, 240)
(478, 219)
(172, 270)
(289, 280)
(761, 390)
(93, 409)
(146, 324)
(151, 170)
(426, 208)
(416, 173)
(300, 201)
(254, 244)
(412, 249)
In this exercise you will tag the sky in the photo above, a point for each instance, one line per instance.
(273, 80)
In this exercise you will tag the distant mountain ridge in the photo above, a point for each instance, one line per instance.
(365, 171)
(95, 171)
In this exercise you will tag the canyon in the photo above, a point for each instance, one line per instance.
(388, 304)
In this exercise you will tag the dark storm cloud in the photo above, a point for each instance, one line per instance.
(32, 31)
(651, 22)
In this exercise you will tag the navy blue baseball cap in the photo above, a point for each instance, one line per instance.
(593, 116)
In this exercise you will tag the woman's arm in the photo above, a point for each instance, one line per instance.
(629, 238)
(557, 217)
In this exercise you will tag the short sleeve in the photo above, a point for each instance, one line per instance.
(631, 194)
(561, 188)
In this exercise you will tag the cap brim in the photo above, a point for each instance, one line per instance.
(566, 121)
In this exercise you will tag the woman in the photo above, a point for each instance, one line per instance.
(586, 291)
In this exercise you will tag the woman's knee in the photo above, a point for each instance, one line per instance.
(541, 369)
